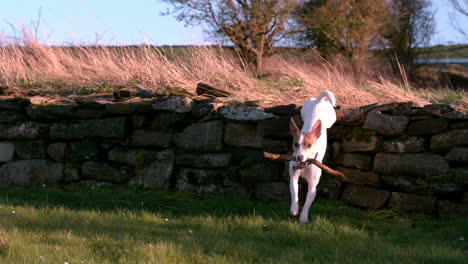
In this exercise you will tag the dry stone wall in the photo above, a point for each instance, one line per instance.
(398, 155)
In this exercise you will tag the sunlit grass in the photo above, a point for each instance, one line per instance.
(128, 226)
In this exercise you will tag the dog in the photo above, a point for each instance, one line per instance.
(318, 114)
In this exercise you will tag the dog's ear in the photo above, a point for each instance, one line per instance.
(293, 127)
(317, 129)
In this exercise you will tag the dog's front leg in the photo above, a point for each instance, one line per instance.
(312, 175)
(294, 175)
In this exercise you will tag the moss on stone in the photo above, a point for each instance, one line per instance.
(361, 134)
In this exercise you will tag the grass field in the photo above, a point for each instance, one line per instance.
(51, 225)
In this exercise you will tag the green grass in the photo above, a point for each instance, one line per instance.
(51, 225)
(443, 51)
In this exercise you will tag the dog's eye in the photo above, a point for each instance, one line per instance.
(309, 145)
(296, 144)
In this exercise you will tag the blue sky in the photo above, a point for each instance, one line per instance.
(135, 22)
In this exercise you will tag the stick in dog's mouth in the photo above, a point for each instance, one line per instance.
(339, 175)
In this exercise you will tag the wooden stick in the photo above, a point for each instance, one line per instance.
(317, 163)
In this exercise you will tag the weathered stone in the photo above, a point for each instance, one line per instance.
(129, 107)
(418, 164)
(427, 127)
(274, 128)
(158, 173)
(365, 196)
(57, 151)
(358, 161)
(86, 113)
(90, 184)
(135, 91)
(395, 106)
(14, 103)
(274, 146)
(200, 181)
(102, 171)
(458, 155)
(149, 138)
(338, 132)
(103, 128)
(262, 172)
(244, 113)
(245, 155)
(458, 125)
(444, 108)
(50, 112)
(171, 121)
(7, 150)
(175, 104)
(336, 151)
(83, 150)
(360, 177)
(461, 176)
(406, 184)
(448, 209)
(446, 188)
(386, 125)
(138, 121)
(30, 149)
(272, 191)
(25, 130)
(30, 172)
(412, 203)
(205, 160)
(10, 116)
(130, 156)
(329, 187)
(414, 113)
(455, 116)
(353, 116)
(240, 135)
(288, 110)
(404, 145)
(71, 175)
(448, 140)
(201, 137)
(361, 140)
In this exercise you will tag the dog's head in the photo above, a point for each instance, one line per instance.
(305, 144)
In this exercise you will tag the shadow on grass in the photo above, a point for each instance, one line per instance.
(231, 228)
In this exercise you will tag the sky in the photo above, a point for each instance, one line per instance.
(127, 22)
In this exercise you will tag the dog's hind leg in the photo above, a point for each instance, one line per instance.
(312, 175)
(294, 187)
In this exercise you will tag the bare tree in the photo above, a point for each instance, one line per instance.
(461, 8)
(412, 27)
(253, 26)
(352, 28)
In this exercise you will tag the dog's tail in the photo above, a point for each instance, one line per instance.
(327, 95)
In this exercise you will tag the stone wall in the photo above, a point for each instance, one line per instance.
(397, 155)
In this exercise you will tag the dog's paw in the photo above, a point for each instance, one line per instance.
(294, 209)
(304, 219)
(294, 212)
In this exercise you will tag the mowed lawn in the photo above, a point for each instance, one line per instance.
(52, 225)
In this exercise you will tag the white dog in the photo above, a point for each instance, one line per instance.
(310, 143)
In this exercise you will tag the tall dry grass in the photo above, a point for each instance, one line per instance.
(29, 64)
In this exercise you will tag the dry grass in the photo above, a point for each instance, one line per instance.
(67, 70)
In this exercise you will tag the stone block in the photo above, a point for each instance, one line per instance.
(386, 125)
(240, 135)
(362, 178)
(149, 138)
(30, 149)
(174, 104)
(10, 116)
(201, 137)
(427, 127)
(448, 209)
(266, 171)
(205, 160)
(458, 154)
(405, 144)
(7, 150)
(83, 150)
(450, 139)
(26, 130)
(417, 164)
(57, 151)
(412, 203)
(89, 128)
(365, 196)
(103, 171)
(31, 172)
(272, 191)
(158, 174)
(358, 161)
(361, 140)
(244, 113)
